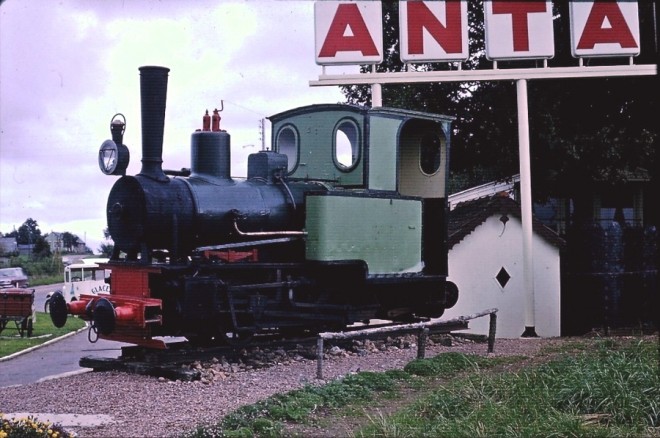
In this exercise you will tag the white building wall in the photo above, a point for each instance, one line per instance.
(475, 262)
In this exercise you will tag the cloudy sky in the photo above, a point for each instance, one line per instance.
(67, 66)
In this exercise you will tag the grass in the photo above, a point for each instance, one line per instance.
(612, 391)
(43, 330)
(609, 390)
(40, 280)
(266, 418)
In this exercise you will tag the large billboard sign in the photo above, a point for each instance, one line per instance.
(351, 32)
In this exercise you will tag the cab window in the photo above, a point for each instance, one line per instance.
(346, 145)
(430, 153)
(287, 144)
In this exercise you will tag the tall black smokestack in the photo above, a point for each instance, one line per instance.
(153, 96)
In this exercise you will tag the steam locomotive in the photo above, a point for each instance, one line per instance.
(343, 221)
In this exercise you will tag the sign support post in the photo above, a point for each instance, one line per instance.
(526, 207)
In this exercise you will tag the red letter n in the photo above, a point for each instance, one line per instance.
(420, 17)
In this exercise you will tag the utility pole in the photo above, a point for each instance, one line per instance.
(262, 134)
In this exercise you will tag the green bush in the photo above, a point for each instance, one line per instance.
(51, 267)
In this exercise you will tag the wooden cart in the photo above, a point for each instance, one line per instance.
(17, 305)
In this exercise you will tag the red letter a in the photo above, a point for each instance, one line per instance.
(594, 33)
(348, 15)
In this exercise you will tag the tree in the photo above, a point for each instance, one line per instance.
(106, 249)
(41, 248)
(70, 241)
(28, 232)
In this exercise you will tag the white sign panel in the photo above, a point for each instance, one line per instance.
(601, 28)
(519, 29)
(433, 31)
(348, 32)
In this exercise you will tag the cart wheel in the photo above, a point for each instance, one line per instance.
(29, 327)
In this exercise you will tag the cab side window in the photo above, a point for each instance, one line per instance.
(430, 152)
(287, 144)
(346, 145)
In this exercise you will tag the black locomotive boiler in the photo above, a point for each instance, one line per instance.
(343, 221)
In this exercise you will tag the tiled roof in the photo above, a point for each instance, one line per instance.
(467, 216)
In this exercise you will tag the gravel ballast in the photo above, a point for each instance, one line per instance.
(135, 405)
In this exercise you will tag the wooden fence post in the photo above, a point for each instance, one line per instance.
(319, 358)
(492, 326)
(421, 342)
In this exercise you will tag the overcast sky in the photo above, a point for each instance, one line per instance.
(67, 66)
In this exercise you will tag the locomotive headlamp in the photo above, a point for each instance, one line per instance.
(113, 155)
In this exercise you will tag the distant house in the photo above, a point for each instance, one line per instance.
(54, 241)
(485, 262)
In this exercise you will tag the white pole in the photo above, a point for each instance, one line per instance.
(376, 91)
(376, 95)
(526, 208)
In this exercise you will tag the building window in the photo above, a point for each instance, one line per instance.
(503, 277)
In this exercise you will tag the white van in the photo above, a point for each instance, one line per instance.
(83, 278)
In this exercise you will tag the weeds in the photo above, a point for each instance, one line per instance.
(607, 391)
(611, 391)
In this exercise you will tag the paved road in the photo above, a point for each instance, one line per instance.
(57, 358)
(40, 293)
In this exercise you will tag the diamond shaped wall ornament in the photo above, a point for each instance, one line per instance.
(503, 277)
